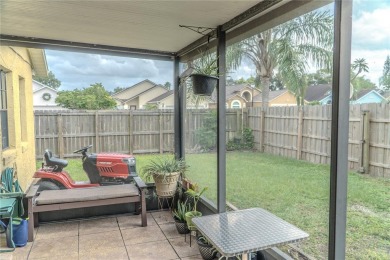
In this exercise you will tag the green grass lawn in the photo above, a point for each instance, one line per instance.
(298, 192)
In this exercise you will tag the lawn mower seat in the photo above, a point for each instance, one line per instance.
(57, 163)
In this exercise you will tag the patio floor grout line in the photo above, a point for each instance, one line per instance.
(123, 240)
(78, 240)
(167, 238)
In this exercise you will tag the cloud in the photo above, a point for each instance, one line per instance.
(79, 70)
(371, 29)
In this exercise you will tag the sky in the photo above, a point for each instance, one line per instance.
(370, 40)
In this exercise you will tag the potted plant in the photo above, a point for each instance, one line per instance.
(195, 194)
(180, 218)
(204, 77)
(165, 172)
(207, 251)
(203, 85)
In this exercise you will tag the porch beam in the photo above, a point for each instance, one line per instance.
(221, 118)
(40, 43)
(239, 19)
(340, 125)
(279, 15)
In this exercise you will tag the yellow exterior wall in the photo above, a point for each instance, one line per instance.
(20, 154)
(286, 99)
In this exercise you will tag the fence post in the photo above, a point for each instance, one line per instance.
(97, 132)
(60, 141)
(300, 132)
(161, 133)
(131, 132)
(238, 122)
(365, 142)
(262, 127)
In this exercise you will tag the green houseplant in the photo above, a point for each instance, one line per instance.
(195, 194)
(165, 172)
(180, 218)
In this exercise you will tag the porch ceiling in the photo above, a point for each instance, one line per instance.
(151, 25)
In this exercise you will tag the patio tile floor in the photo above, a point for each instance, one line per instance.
(119, 237)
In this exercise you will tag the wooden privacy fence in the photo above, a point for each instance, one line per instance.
(305, 134)
(121, 131)
(108, 131)
(301, 133)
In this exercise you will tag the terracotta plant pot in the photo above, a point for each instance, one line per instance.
(166, 185)
(203, 85)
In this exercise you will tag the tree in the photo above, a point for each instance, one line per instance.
(361, 83)
(167, 85)
(321, 76)
(50, 80)
(94, 97)
(290, 48)
(360, 65)
(384, 81)
(117, 89)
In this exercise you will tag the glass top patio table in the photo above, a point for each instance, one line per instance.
(244, 231)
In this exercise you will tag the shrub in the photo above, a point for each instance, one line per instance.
(245, 143)
(207, 135)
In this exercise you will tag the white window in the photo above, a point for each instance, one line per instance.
(236, 104)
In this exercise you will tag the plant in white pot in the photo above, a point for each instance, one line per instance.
(165, 172)
(195, 194)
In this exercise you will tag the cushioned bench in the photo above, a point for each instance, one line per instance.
(52, 200)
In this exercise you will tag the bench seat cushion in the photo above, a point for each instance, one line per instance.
(86, 194)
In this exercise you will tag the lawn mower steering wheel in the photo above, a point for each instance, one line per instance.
(84, 149)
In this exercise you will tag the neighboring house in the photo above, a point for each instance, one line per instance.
(44, 97)
(367, 96)
(277, 98)
(237, 96)
(17, 142)
(164, 101)
(386, 95)
(136, 96)
(321, 93)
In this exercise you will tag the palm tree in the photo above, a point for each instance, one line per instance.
(290, 48)
(361, 66)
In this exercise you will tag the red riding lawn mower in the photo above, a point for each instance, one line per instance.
(101, 169)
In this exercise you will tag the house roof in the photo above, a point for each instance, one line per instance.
(161, 97)
(231, 91)
(365, 92)
(146, 25)
(38, 60)
(317, 92)
(139, 83)
(41, 86)
(386, 94)
(141, 93)
(272, 95)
